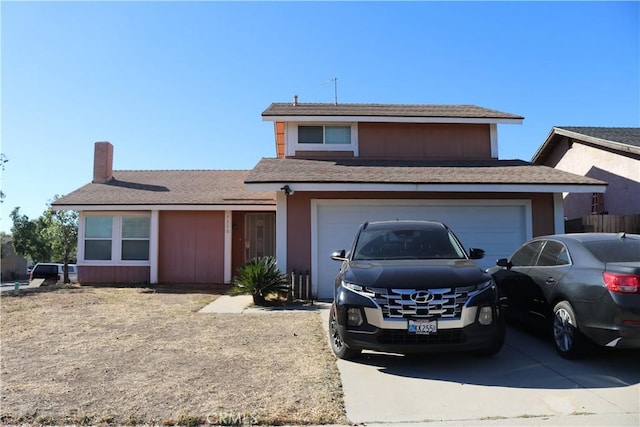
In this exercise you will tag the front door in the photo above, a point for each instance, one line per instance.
(260, 235)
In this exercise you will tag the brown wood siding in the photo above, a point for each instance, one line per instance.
(280, 127)
(424, 141)
(299, 215)
(191, 247)
(237, 241)
(113, 274)
(299, 232)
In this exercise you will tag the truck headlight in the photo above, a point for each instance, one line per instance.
(352, 286)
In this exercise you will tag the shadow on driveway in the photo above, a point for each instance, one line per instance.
(526, 361)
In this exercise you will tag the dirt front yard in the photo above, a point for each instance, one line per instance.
(94, 355)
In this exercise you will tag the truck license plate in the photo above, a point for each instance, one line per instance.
(423, 327)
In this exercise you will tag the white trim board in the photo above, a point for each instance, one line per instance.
(400, 187)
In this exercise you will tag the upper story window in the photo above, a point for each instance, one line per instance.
(324, 134)
(310, 136)
(117, 237)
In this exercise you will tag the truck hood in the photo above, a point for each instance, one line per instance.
(415, 274)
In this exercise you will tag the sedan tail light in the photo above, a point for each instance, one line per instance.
(621, 282)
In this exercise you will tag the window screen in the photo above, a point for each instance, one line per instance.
(337, 134)
(135, 238)
(98, 234)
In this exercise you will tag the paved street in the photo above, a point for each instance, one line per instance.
(10, 286)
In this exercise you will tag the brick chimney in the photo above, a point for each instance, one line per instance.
(103, 162)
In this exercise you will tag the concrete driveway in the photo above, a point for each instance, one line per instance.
(527, 383)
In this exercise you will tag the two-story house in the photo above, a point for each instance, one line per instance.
(336, 166)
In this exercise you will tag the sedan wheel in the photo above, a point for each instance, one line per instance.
(340, 349)
(568, 340)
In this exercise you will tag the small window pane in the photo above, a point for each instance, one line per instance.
(337, 134)
(98, 226)
(135, 227)
(526, 255)
(135, 250)
(551, 255)
(310, 134)
(97, 250)
(563, 258)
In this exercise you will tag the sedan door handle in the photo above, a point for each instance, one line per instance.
(550, 280)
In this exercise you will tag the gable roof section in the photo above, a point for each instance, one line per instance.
(381, 175)
(173, 187)
(386, 112)
(625, 141)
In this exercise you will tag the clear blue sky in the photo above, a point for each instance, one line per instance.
(177, 85)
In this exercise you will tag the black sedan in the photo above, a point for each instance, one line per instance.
(585, 288)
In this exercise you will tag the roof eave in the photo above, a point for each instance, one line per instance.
(431, 187)
(392, 119)
(162, 207)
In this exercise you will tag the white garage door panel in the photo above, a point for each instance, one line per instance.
(496, 228)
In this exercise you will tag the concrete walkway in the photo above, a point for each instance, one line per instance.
(244, 304)
(228, 304)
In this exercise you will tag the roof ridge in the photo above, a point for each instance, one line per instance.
(597, 127)
(379, 104)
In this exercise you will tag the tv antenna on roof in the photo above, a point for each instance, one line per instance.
(335, 88)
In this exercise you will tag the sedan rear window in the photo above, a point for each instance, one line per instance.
(620, 250)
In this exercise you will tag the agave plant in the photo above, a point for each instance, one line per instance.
(259, 277)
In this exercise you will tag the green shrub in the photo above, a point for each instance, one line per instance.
(259, 278)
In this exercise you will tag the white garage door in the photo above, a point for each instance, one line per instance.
(498, 227)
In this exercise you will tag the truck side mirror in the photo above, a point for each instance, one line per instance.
(339, 255)
(475, 253)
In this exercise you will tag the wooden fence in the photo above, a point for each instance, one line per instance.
(604, 224)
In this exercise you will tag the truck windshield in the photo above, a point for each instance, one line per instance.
(407, 243)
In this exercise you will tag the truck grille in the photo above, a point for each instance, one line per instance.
(421, 303)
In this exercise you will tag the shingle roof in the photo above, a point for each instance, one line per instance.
(624, 140)
(628, 136)
(385, 110)
(270, 170)
(172, 187)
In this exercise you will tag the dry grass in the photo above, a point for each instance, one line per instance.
(82, 355)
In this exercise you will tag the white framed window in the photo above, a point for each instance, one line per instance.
(324, 134)
(116, 237)
(321, 137)
(98, 238)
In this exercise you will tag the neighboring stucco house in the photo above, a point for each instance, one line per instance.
(336, 166)
(610, 154)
